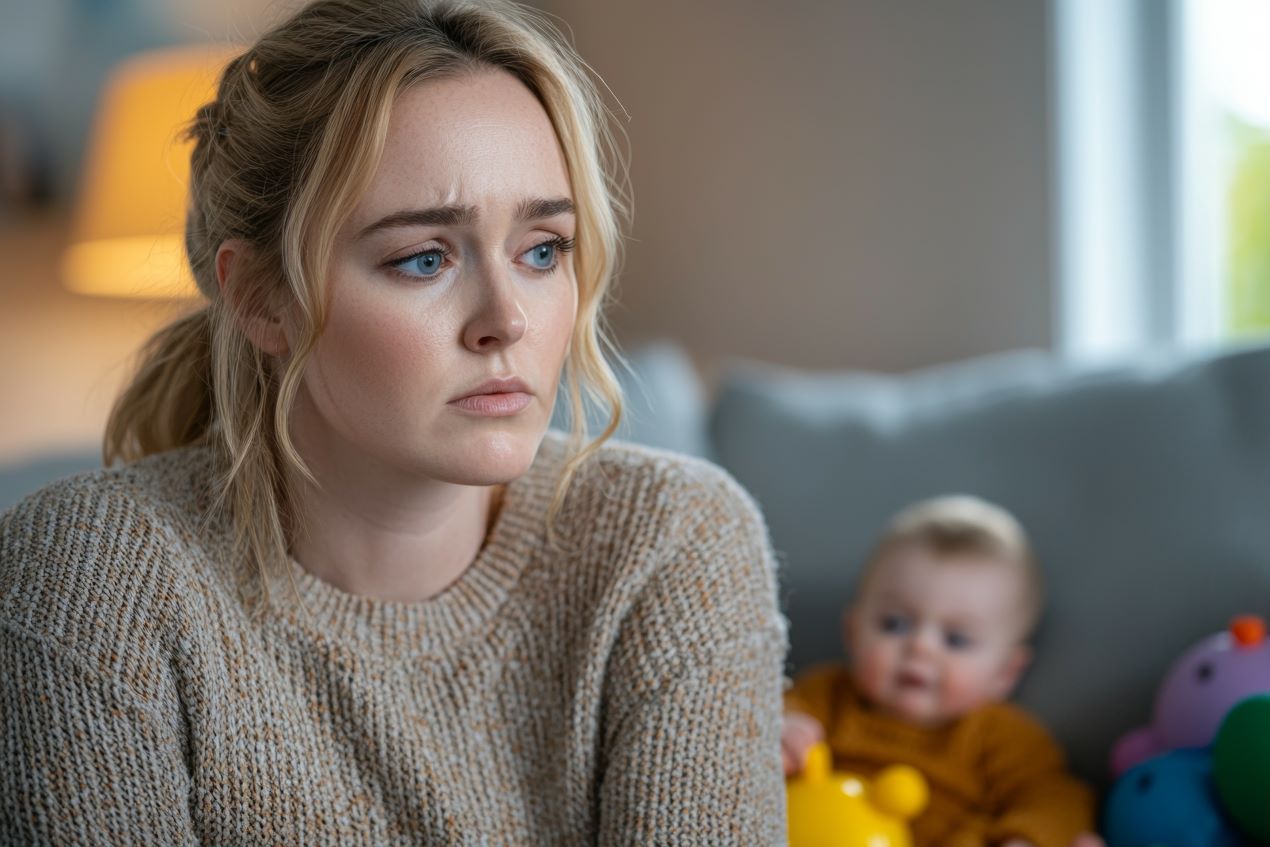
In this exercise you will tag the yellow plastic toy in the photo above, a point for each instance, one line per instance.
(836, 809)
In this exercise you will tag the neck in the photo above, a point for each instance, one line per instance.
(379, 531)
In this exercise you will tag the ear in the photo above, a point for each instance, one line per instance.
(1017, 662)
(261, 322)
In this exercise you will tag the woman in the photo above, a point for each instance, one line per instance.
(349, 587)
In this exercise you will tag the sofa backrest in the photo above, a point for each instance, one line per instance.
(1145, 488)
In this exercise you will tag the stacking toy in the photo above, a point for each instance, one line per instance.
(1241, 766)
(1168, 801)
(836, 809)
(1198, 691)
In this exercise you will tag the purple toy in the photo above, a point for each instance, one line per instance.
(1198, 691)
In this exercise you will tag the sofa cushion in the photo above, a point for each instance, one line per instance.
(663, 401)
(21, 477)
(1145, 488)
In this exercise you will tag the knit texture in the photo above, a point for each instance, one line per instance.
(625, 689)
(995, 774)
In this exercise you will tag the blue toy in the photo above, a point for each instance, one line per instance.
(1168, 801)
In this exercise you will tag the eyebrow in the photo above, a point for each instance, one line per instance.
(455, 215)
(538, 208)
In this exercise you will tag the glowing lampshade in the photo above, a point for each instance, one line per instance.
(129, 223)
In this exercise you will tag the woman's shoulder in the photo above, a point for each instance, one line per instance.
(663, 526)
(661, 485)
(88, 551)
(159, 488)
(680, 555)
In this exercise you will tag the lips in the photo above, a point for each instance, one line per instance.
(495, 398)
(497, 385)
(908, 679)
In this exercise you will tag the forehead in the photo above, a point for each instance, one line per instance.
(963, 584)
(480, 138)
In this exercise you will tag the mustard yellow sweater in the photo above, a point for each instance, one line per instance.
(995, 774)
(625, 690)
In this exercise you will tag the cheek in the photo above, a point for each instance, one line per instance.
(551, 318)
(552, 313)
(874, 661)
(375, 357)
(966, 683)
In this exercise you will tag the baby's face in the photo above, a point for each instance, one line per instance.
(934, 637)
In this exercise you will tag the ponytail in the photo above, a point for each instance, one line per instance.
(169, 402)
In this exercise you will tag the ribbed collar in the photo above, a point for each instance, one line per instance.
(464, 610)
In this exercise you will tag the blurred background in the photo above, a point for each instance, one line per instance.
(959, 237)
(851, 185)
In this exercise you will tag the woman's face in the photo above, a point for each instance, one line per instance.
(452, 271)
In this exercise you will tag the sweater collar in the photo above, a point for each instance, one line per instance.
(464, 610)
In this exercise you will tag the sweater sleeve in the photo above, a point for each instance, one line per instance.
(1033, 796)
(91, 732)
(85, 761)
(691, 742)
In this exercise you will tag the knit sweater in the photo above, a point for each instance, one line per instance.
(994, 775)
(622, 687)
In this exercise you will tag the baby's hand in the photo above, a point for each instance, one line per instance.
(1085, 839)
(798, 733)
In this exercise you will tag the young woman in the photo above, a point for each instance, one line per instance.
(347, 587)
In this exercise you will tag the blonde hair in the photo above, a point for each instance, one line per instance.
(961, 525)
(280, 158)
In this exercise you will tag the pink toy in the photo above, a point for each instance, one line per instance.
(1198, 691)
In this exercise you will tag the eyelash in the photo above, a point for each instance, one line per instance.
(560, 243)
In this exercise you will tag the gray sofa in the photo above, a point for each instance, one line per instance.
(1146, 488)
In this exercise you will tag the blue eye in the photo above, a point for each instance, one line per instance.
(542, 256)
(894, 624)
(545, 257)
(957, 641)
(425, 264)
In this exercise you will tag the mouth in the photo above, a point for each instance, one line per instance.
(909, 680)
(499, 397)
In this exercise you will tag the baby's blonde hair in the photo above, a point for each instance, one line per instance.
(281, 156)
(959, 525)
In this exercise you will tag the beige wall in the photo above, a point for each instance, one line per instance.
(861, 183)
(64, 356)
(829, 184)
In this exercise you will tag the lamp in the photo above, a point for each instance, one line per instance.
(127, 236)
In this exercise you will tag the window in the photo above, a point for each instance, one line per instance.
(1162, 173)
(1226, 107)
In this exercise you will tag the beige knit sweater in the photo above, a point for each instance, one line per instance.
(623, 692)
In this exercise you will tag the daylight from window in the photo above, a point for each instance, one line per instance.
(1226, 208)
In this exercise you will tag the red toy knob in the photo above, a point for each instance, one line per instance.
(1248, 630)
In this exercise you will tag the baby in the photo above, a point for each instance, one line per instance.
(937, 633)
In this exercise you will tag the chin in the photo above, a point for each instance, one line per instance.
(922, 714)
(494, 458)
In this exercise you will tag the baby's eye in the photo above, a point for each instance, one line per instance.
(958, 640)
(894, 624)
(425, 264)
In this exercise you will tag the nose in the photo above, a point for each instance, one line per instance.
(498, 318)
(923, 641)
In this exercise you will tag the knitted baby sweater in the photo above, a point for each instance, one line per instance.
(994, 775)
(621, 687)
